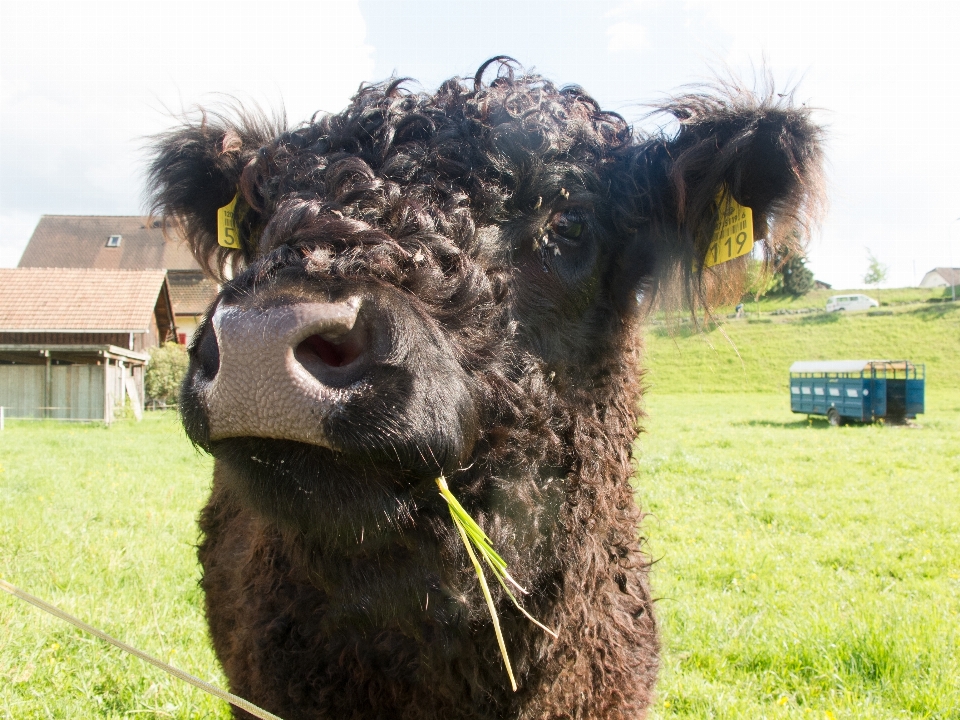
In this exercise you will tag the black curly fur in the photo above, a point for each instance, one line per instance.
(336, 585)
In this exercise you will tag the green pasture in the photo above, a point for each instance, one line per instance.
(802, 571)
(753, 354)
(102, 523)
(817, 299)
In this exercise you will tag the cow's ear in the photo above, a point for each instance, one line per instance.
(196, 170)
(763, 152)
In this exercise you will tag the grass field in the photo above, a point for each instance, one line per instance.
(682, 360)
(803, 571)
(102, 522)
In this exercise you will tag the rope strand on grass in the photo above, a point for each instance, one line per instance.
(234, 700)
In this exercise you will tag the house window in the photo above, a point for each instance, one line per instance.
(114, 241)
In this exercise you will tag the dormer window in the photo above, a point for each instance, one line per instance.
(114, 241)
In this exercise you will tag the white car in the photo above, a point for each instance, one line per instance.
(851, 302)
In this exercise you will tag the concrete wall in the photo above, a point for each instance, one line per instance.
(932, 279)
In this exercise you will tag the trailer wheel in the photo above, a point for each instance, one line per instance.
(833, 417)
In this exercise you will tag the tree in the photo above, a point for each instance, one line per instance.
(790, 276)
(797, 278)
(876, 271)
(759, 280)
(165, 371)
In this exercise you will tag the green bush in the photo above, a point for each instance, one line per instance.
(165, 371)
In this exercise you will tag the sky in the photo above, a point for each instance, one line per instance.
(85, 83)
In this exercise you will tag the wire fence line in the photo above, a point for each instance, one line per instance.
(234, 700)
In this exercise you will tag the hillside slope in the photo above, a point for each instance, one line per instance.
(680, 359)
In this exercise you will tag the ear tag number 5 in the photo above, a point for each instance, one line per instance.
(227, 235)
(733, 234)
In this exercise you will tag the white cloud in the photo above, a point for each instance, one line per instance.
(15, 228)
(884, 72)
(883, 75)
(83, 82)
(625, 36)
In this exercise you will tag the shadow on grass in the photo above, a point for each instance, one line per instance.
(825, 318)
(685, 330)
(817, 423)
(935, 311)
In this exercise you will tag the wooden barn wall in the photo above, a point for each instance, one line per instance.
(21, 390)
(77, 392)
(114, 389)
(144, 341)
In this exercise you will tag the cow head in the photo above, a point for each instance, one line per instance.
(448, 282)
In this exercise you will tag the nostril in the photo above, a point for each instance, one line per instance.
(333, 353)
(279, 342)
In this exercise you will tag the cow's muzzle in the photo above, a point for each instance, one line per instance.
(283, 369)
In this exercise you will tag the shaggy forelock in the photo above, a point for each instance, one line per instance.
(416, 165)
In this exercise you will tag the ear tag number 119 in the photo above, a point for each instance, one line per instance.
(733, 234)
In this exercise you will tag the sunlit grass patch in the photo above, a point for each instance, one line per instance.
(803, 562)
(684, 359)
(102, 522)
(803, 571)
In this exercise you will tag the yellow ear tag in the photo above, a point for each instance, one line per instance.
(733, 235)
(227, 234)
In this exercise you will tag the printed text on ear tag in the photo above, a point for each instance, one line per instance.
(227, 235)
(733, 235)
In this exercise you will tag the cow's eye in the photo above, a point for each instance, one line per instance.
(568, 224)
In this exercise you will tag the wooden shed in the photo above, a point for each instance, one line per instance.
(73, 343)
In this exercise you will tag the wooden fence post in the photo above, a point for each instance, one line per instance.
(47, 388)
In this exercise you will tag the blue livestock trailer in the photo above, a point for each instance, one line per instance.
(862, 390)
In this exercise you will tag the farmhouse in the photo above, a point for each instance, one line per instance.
(124, 243)
(73, 341)
(941, 277)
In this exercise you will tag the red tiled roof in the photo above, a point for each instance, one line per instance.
(52, 299)
(191, 293)
(79, 241)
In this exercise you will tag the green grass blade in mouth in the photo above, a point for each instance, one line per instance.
(474, 538)
(489, 599)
